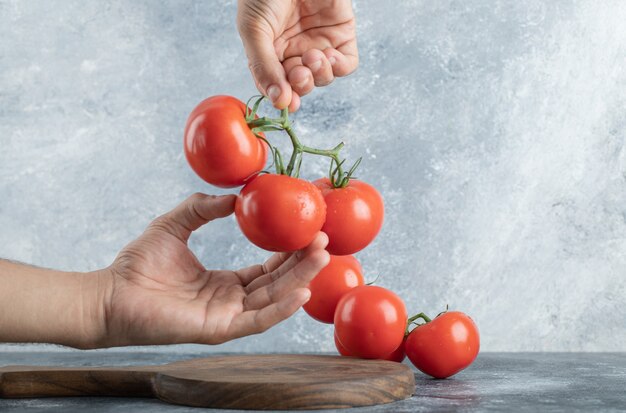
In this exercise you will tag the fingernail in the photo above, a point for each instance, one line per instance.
(273, 92)
(302, 84)
(332, 60)
(315, 66)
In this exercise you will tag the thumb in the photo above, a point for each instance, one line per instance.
(267, 70)
(194, 212)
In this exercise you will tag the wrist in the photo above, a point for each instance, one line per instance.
(96, 288)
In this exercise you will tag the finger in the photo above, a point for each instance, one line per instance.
(297, 277)
(319, 243)
(194, 212)
(299, 76)
(301, 79)
(295, 102)
(267, 71)
(343, 63)
(291, 62)
(319, 65)
(258, 321)
(246, 275)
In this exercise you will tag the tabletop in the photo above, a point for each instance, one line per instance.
(495, 382)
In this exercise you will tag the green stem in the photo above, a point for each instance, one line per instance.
(420, 315)
(299, 148)
(264, 121)
(412, 319)
(265, 124)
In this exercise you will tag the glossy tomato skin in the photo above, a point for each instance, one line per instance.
(398, 354)
(342, 274)
(370, 321)
(280, 213)
(219, 145)
(444, 346)
(340, 348)
(354, 215)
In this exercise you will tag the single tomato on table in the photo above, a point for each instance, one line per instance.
(354, 215)
(220, 146)
(342, 274)
(279, 212)
(370, 322)
(444, 346)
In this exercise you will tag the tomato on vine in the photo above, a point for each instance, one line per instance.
(370, 322)
(342, 274)
(354, 215)
(219, 144)
(280, 212)
(443, 346)
(225, 146)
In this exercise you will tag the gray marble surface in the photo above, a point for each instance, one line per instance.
(546, 382)
(494, 129)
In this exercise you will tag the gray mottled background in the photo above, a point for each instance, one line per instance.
(495, 131)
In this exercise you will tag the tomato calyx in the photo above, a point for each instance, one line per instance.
(338, 177)
(261, 124)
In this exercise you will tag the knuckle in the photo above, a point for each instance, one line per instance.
(197, 196)
(274, 275)
(161, 223)
(299, 274)
(271, 292)
(191, 210)
(324, 80)
(257, 67)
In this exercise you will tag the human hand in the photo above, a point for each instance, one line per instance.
(160, 293)
(294, 45)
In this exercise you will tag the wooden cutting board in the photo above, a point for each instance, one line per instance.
(230, 382)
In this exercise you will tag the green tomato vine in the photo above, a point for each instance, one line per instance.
(338, 177)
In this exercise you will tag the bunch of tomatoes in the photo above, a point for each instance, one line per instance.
(226, 145)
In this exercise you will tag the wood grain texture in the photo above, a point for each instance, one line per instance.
(233, 382)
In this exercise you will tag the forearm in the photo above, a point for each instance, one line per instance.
(46, 306)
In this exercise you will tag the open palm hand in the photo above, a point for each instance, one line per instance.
(161, 294)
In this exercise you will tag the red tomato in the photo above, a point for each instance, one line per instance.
(397, 355)
(354, 215)
(342, 274)
(370, 321)
(280, 213)
(340, 348)
(219, 145)
(444, 346)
